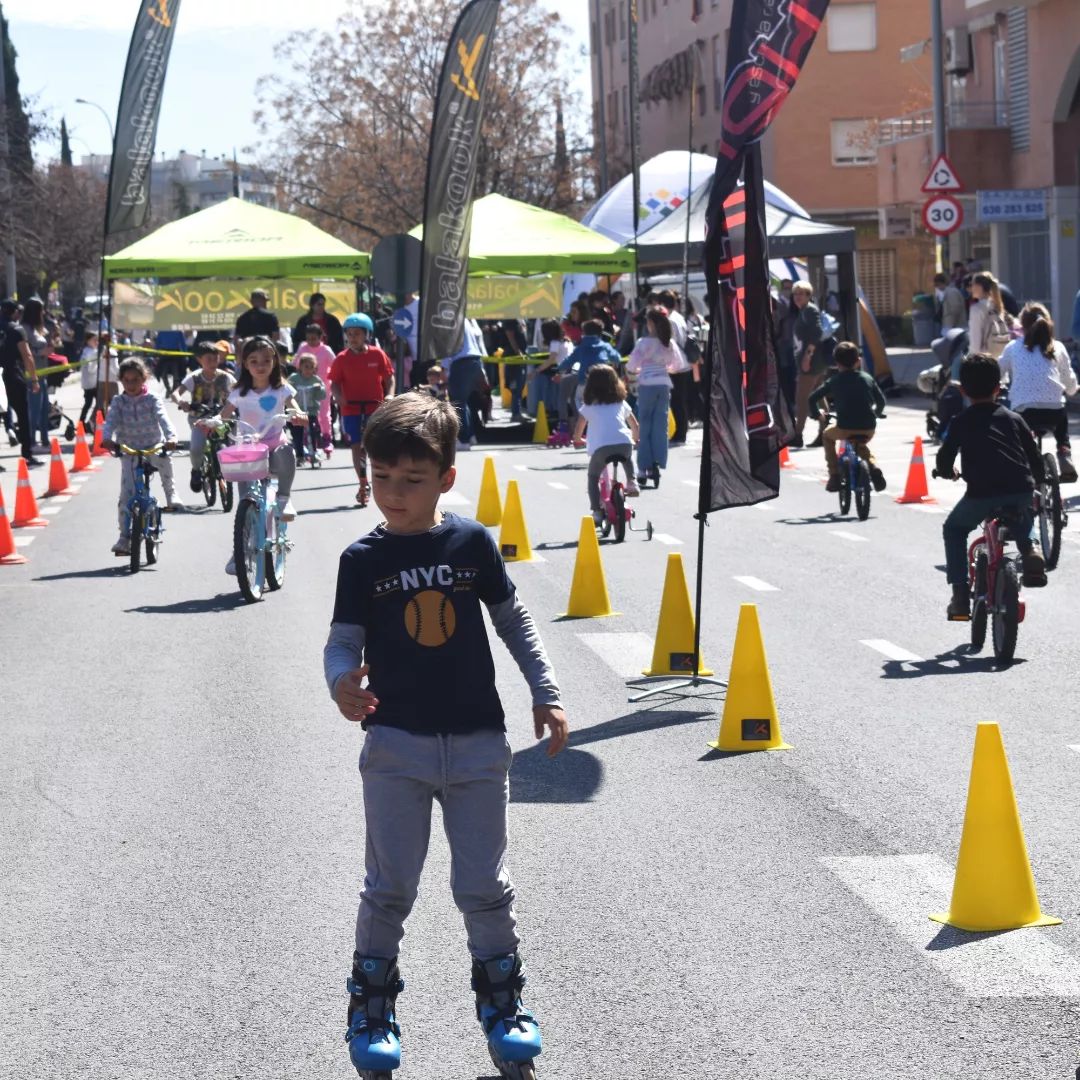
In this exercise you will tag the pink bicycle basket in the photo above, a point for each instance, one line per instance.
(245, 462)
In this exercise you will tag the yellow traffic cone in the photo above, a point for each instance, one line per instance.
(994, 888)
(670, 423)
(673, 651)
(514, 537)
(489, 506)
(504, 390)
(749, 721)
(588, 591)
(541, 431)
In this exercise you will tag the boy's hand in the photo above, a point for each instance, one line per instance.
(554, 719)
(355, 702)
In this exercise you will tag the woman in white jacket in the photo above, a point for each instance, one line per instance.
(1040, 377)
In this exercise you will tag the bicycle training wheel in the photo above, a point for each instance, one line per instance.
(844, 494)
(247, 551)
(276, 551)
(1006, 611)
(978, 602)
(862, 491)
(135, 538)
(618, 505)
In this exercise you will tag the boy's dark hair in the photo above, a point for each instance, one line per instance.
(603, 386)
(592, 326)
(201, 348)
(846, 354)
(417, 426)
(255, 344)
(132, 363)
(980, 375)
(667, 298)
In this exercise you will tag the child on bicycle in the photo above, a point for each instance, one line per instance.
(315, 345)
(408, 616)
(207, 389)
(613, 431)
(137, 419)
(260, 397)
(857, 401)
(310, 394)
(1001, 465)
(361, 378)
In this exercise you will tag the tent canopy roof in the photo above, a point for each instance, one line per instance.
(238, 239)
(790, 235)
(511, 237)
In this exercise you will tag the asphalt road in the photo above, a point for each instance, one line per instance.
(182, 837)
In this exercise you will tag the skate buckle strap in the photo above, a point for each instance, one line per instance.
(366, 988)
(377, 1028)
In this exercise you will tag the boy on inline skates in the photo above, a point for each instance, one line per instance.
(1001, 465)
(408, 616)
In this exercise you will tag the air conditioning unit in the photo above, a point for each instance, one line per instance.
(957, 51)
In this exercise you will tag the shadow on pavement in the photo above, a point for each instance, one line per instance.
(576, 775)
(949, 937)
(221, 602)
(328, 510)
(957, 661)
(327, 487)
(118, 570)
(551, 545)
(824, 519)
(561, 468)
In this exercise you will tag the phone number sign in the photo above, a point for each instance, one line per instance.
(1020, 204)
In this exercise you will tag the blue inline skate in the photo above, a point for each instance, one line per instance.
(512, 1033)
(373, 1035)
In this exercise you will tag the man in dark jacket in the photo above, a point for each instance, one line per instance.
(810, 359)
(317, 313)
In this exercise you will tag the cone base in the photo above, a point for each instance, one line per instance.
(1042, 920)
(31, 523)
(86, 468)
(61, 491)
(716, 744)
(590, 615)
(12, 560)
(916, 499)
(703, 672)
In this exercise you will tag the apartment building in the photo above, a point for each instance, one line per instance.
(1013, 118)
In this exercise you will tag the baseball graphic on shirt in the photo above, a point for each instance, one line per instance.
(430, 618)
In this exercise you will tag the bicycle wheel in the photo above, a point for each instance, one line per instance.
(978, 602)
(226, 490)
(844, 494)
(153, 536)
(1006, 611)
(209, 483)
(1054, 512)
(862, 491)
(618, 506)
(135, 538)
(276, 551)
(247, 551)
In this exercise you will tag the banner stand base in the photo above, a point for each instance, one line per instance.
(681, 686)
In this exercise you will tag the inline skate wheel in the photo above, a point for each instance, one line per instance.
(513, 1070)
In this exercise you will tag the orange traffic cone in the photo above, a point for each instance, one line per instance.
(58, 477)
(915, 490)
(785, 459)
(99, 423)
(26, 508)
(8, 555)
(83, 461)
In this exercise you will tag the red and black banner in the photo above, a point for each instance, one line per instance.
(451, 177)
(749, 419)
(137, 115)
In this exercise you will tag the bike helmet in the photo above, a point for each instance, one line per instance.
(358, 321)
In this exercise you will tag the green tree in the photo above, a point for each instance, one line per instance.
(349, 132)
(65, 144)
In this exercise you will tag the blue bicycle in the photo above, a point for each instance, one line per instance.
(144, 526)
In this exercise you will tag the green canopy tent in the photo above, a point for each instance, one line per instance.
(238, 239)
(511, 237)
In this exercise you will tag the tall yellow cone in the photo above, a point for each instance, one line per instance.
(673, 651)
(670, 423)
(541, 431)
(588, 591)
(994, 888)
(749, 721)
(504, 391)
(489, 505)
(514, 537)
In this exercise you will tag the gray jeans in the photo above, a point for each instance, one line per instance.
(467, 775)
(162, 465)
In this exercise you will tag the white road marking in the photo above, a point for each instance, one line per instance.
(691, 483)
(893, 652)
(756, 583)
(924, 509)
(58, 500)
(557, 486)
(904, 889)
(626, 654)
(24, 541)
(522, 468)
(666, 538)
(855, 538)
(48, 511)
(805, 479)
(1074, 747)
(454, 498)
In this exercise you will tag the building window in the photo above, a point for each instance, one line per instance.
(622, 22)
(852, 27)
(626, 107)
(877, 276)
(696, 7)
(854, 142)
(609, 18)
(717, 71)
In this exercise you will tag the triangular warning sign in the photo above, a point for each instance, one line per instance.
(942, 177)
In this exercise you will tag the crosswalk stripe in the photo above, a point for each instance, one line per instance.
(24, 541)
(893, 652)
(628, 655)
(904, 889)
(853, 537)
(666, 538)
(756, 583)
(557, 486)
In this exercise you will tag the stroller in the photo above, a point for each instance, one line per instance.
(941, 382)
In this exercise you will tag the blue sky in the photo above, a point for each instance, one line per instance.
(223, 48)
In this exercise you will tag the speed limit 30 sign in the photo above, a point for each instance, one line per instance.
(942, 215)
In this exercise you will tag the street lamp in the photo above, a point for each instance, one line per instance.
(94, 104)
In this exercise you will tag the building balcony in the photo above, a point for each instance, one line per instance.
(979, 149)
